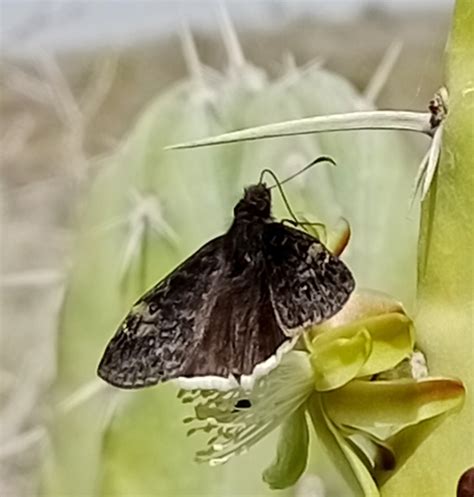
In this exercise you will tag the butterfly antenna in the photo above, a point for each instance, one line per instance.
(322, 158)
(278, 184)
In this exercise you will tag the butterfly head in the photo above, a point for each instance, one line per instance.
(256, 203)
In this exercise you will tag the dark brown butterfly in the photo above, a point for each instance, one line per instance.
(231, 305)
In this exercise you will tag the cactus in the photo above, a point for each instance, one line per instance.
(445, 281)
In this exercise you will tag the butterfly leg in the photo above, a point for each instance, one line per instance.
(318, 230)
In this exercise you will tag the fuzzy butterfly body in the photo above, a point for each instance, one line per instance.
(231, 305)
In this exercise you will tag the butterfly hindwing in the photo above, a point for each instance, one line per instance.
(307, 283)
(242, 330)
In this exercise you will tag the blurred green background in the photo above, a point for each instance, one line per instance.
(84, 177)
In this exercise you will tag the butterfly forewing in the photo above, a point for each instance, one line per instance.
(205, 319)
(307, 283)
(164, 327)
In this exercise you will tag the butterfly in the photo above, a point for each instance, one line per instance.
(231, 307)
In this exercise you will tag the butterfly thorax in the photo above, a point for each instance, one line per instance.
(244, 243)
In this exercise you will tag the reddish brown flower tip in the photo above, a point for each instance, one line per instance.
(466, 484)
